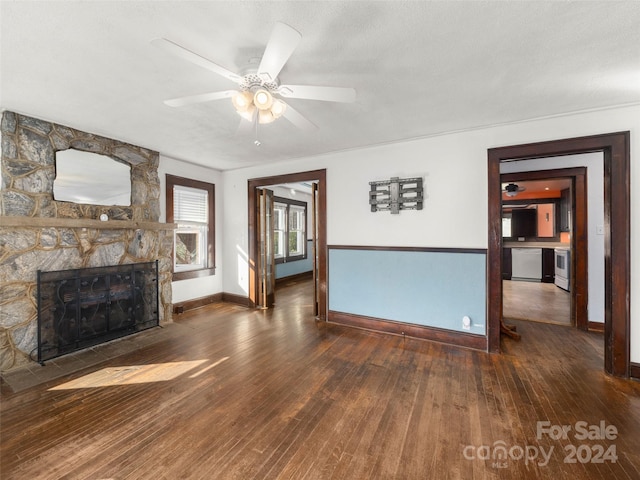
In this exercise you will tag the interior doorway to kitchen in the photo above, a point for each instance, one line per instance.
(544, 260)
(615, 148)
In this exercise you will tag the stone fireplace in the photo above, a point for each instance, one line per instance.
(39, 233)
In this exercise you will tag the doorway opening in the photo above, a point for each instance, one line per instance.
(545, 247)
(287, 237)
(264, 242)
(616, 158)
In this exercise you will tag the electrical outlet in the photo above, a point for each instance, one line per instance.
(466, 323)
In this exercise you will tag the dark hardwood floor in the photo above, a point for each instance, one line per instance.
(231, 393)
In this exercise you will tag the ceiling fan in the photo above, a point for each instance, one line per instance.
(512, 189)
(259, 95)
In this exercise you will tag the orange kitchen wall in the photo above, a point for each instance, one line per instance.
(545, 219)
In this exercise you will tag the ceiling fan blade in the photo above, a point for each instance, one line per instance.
(309, 92)
(283, 41)
(175, 49)
(203, 97)
(298, 120)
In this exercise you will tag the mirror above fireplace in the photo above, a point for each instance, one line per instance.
(91, 178)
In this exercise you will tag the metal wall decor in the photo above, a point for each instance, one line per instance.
(396, 194)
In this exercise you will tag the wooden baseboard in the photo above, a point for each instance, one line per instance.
(295, 278)
(440, 335)
(596, 327)
(182, 307)
(237, 299)
(634, 370)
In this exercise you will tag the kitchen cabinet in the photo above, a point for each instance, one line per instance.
(548, 265)
(565, 210)
(524, 223)
(506, 263)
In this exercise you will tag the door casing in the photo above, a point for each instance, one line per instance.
(319, 176)
(617, 156)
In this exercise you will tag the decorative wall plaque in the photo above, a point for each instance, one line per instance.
(396, 194)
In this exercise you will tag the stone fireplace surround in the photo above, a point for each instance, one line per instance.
(40, 233)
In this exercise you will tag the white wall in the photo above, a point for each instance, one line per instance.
(195, 287)
(451, 190)
(595, 216)
(454, 167)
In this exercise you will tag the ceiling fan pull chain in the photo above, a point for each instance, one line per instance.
(255, 121)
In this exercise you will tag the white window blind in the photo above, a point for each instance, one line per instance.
(190, 205)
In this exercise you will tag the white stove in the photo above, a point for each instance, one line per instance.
(562, 267)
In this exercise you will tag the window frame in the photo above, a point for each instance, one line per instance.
(279, 242)
(286, 258)
(209, 269)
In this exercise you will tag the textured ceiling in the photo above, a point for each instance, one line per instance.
(419, 68)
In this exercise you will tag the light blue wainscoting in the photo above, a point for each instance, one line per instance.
(299, 266)
(434, 288)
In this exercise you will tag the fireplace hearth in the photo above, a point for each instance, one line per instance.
(84, 307)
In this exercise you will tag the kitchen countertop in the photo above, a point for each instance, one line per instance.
(535, 245)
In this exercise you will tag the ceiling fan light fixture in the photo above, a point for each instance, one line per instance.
(512, 189)
(262, 99)
(248, 113)
(242, 101)
(265, 116)
(278, 108)
(268, 108)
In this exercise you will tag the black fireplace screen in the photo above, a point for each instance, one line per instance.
(84, 307)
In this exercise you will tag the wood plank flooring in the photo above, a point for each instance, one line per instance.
(275, 395)
(535, 301)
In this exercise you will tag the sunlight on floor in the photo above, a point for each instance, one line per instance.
(200, 372)
(134, 374)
